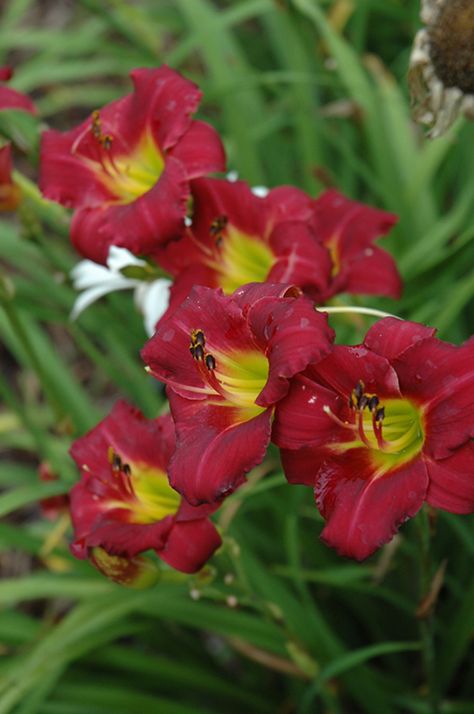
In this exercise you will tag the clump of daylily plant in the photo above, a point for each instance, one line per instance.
(233, 284)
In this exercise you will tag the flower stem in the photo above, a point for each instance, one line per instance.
(356, 310)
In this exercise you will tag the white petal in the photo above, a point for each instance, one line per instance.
(152, 299)
(93, 294)
(120, 258)
(86, 274)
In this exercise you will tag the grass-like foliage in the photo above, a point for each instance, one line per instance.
(305, 92)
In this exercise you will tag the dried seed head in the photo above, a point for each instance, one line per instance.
(451, 38)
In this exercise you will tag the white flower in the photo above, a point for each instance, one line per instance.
(441, 73)
(94, 281)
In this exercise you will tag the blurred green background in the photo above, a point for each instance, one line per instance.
(303, 92)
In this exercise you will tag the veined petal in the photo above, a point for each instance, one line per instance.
(373, 271)
(167, 353)
(190, 544)
(65, 179)
(300, 259)
(12, 99)
(364, 511)
(166, 100)
(350, 225)
(390, 337)
(124, 504)
(301, 466)
(200, 150)
(297, 335)
(345, 366)
(215, 448)
(141, 225)
(440, 376)
(300, 419)
(451, 481)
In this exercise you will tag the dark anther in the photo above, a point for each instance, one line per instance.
(198, 338)
(127, 470)
(380, 414)
(351, 402)
(359, 389)
(198, 352)
(106, 141)
(210, 362)
(373, 403)
(218, 225)
(362, 401)
(116, 462)
(191, 349)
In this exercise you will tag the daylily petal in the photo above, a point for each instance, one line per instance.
(297, 335)
(190, 544)
(124, 504)
(300, 259)
(373, 271)
(364, 511)
(301, 465)
(166, 100)
(287, 203)
(167, 353)
(390, 337)
(299, 417)
(347, 365)
(12, 99)
(200, 150)
(215, 448)
(140, 225)
(352, 226)
(452, 481)
(65, 179)
(348, 229)
(441, 377)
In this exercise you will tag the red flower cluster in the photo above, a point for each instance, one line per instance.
(375, 429)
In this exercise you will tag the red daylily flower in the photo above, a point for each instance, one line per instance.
(348, 230)
(11, 98)
(10, 194)
(124, 505)
(127, 168)
(227, 361)
(323, 246)
(378, 429)
(237, 237)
